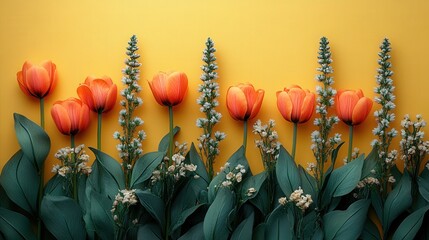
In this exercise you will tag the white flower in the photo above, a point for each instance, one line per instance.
(296, 195)
(229, 176)
(238, 177)
(226, 183)
(282, 201)
(392, 179)
(191, 167)
(250, 191)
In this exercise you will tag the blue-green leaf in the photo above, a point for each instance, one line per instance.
(423, 182)
(370, 163)
(196, 232)
(201, 171)
(149, 231)
(109, 177)
(287, 172)
(153, 204)
(144, 167)
(245, 229)
(279, 225)
(255, 182)
(101, 217)
(180, 220)
(259, 232)
(34, 141)
(55, 186)
(410, 225)
(309, 184)
(347, 224)
(370, 231)
(343, 180)
(398, 200)
(62, 217)
(15, 226)
(20, 181)
(215, 221)
(165, 141)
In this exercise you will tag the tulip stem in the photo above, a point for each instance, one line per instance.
(170, 148)
(99, 130)
(295, 130)
(41, 172)
(245, 136)
(74, 161)
(349, 156)
(42, 113)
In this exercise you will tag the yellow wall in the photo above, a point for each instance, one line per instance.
(271, 44)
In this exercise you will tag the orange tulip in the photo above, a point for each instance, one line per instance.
(243, 101)
(169, 89)
(37, 80)
(295, 104)
(98, 93)
(71, 116)
(352, 107)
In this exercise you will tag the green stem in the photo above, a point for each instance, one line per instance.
(170, 148)
(42, 113)
(349, 156)
(41, 173)
(74, 174)
(295, 130)
(245, 136)
(99, 131)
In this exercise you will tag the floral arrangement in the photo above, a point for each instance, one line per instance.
(175, 192)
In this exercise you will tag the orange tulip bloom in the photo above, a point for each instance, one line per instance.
(37, 80)
(295, 104)
(98, 93)
(352, 107)
(71, 116)
(243, 101)
(169, 89)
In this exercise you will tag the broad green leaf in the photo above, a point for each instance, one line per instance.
(411, 225)
(347, 224)
(215, 222)
(149, 231)
(287, 172)
(423, 182)
(370, 231)
(55, 186)
(343, 180)
(34, 141)
(165, 141)
(153, 204)
(334, 155)
(245, 229)
(397, 175)
(110, 177)
(196, 232)
(195, 159)
(398, 200)
(255, 182)
(309, 224)
(5, 202)
(20, 181)
(309, 184)
(377, 203)
(62, 217)
(259, 232)
(144, 167)
(279, 225)
(180, 220)
(261, 199)
(370, 163)
(15, 226)
(101, 216)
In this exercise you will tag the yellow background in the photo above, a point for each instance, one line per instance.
(271, 44)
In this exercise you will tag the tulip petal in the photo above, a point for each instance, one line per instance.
(361, 110)
(236, 103)
(258, 103)
(61, 119)
(284, 104)
(111, 98)
(158, 87)
(38, 81)
(177, 85)
(86, 95)
(297, 96)
(21, 83)
(345, 105)
(99, 89)
(83, 117)
(307, 107)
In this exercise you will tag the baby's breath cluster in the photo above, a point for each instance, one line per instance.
(384, 116)
(268, 144)
(355, 154)
(413, 147)
(130, 147)
(123, 200)
(209, 89)
(233, 176)
(298, 199)
(323, 144)
(177, 170)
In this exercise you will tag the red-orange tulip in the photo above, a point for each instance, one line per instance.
(352, 107)
(243, 101)
(98, 93)
(169, 89)
(71, 116)
(37, 80)
(295, 104)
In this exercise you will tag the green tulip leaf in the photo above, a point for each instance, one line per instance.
(287, 173)
(343, 180)
(309, 184)
(410, 225)
(423, 182)
(255, 182)
(20, 181)
(153, 204)
(165, 141)
(185, 214)
(370, 231)
(15, 226)
(109, 177)
(347, 224)
(261, 198)
(63, 217)
(245, 229)
(398, 200)
(55, 186)
(215, 222)
(101, 217)
(196, 232)
(279, 224)
(370, 163)
(34, 141)
(144, 167)
(201, 171)
(259, 231)
(149, 231)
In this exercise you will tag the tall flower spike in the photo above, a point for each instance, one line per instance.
(130, 141)
(209, 89)
(323, 145)
(384, 117)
